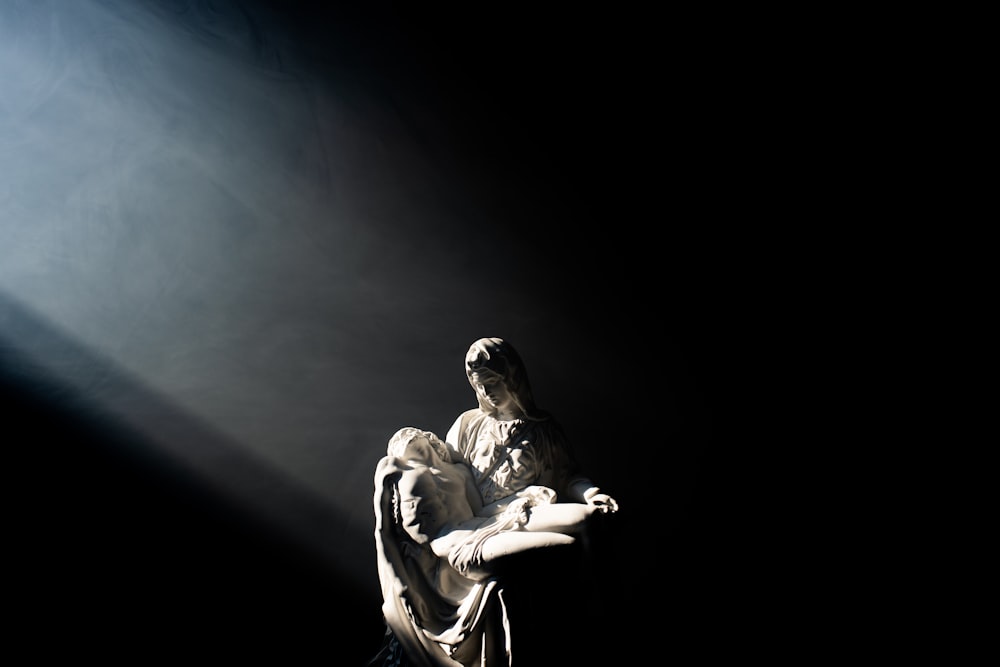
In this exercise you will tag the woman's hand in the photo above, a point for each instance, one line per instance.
(602, 502)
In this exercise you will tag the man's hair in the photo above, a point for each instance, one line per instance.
(401, 438)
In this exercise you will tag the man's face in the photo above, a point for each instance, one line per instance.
(419, 449)
(420, 507)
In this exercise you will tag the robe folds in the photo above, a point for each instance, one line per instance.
(441, 617)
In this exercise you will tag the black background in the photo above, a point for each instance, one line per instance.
(612, 158)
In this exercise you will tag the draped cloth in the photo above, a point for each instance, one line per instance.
(440, 616)
(507, 457)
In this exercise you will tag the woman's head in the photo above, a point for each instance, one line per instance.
(498, 376)
(413, 443)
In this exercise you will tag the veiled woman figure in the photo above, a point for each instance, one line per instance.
(508, 441)
(512, 445)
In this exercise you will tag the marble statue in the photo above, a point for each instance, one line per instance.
(507, 440)
(448, 513)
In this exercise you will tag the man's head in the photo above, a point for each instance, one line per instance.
(410, 442)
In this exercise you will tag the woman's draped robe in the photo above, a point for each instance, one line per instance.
(508, 456)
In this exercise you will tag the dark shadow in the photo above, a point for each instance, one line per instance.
(119, 554)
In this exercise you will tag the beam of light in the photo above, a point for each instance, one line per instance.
(225, 238)
(80, 385)
(169, 203)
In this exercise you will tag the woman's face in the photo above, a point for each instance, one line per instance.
(493, 392)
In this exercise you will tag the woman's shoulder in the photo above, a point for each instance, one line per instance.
(475, 415)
